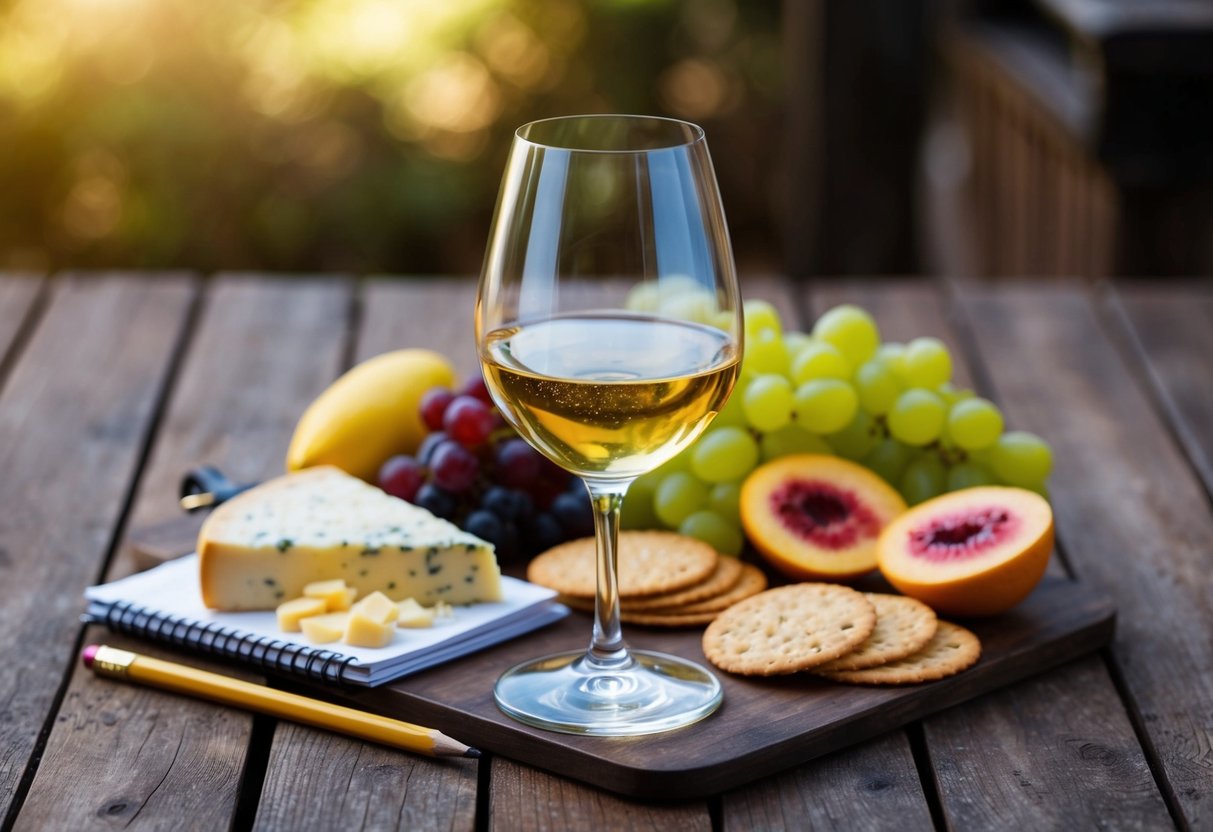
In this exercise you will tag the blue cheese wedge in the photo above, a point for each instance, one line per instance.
(264, 546)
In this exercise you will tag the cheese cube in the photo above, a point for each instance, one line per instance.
(413, 614)
(290, 612)
(320, 524)
(324, 629)
(377, 607)
(364, 631)
(335, 594)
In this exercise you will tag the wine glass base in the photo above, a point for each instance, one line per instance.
(650, 693)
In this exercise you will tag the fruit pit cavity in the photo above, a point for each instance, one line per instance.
(823, 514)
(962, 535)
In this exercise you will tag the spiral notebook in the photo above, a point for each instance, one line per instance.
(164, 604)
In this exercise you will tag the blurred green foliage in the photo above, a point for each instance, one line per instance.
(366, 135)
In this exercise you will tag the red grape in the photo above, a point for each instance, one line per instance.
(475, 388)
(401, 476)
(434, 403)
(454, 467)
(468, 421)
(518, 464)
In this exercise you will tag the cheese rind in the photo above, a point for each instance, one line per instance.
(265, 545)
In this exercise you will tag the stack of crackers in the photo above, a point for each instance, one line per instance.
(836, 632)
(665, 579)
(669, 580)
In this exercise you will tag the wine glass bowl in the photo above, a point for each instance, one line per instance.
(608, 326)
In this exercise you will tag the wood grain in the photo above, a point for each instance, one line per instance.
(1171, 328)
(1029, 737)
(74, 416)
(1140, 522)
(262, 349)
(523, 797)
(18, 294)
(317, 780)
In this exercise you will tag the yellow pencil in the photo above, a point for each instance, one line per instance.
(128, 666)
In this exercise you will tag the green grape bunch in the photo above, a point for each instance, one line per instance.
(837, 390)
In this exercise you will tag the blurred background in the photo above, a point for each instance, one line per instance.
(872, 136)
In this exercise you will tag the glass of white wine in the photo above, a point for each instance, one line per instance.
(608, 324)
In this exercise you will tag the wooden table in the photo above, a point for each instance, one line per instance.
(112, 384)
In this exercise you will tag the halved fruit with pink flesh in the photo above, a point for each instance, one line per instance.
(816, 516)
(974, 552)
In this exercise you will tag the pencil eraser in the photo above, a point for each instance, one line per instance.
(88, 654)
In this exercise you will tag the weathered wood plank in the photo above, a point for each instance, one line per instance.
(1171, 328)
(872, 786)
(1033, 765)
(137, 757)
(527, 798)
(1136, 523)
(322, 781)
(18, 294)
(386, 789)
(74, 415)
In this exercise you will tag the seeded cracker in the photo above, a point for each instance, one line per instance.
(723, 578)
(951, 650)
(903, 627)
(788, 628)
(752, 582)
(650, 563)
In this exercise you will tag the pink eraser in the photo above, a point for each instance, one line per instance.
(89, 653)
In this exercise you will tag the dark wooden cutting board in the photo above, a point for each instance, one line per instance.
(764, 725)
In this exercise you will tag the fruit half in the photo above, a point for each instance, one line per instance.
(974, 552)
(815, 516)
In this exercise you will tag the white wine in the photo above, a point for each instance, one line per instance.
(610, 395)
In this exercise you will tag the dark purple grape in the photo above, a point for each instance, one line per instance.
(574, 513)
(426, 449)
(401, 476)
(434, 403)
(486, 525)
(541, 533)
(507, 547)
(454, 467)
(518, 464)
(436, 501)
(468, 421)
(507, 503)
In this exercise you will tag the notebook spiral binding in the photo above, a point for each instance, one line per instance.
(264, 653)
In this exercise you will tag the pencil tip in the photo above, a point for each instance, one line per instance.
(474, 753)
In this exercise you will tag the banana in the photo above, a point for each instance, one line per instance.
(369, 414)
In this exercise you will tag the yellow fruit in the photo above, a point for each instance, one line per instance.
(369, 414)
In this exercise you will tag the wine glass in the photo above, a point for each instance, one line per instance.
(608, 325)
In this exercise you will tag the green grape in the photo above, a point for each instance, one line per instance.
(761, 316)
(733, 412)
(927, 363)
(725, 321)
(858, 438)
(797, 341)
(893, 356)
(672, 285)
(889, 459)
(724, 454)
(725, 500)
(951, 395)
(851, 329)
(968, 475)
(825, 405)
(637, 511)
(714, 530)
(697, 305)
(923, 479)
(877, 387)
(681, 462)
(678, 497)
(643, 297)
(974, 423)
(1021, 458)
(917, 417)
(768, 402)
(820, 360)
(792, 440)
(764, 353)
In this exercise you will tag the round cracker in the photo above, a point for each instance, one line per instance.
(649, 563)
(751, 582)
(653, 619)
(951, 650)
(723, 578)
(903, 627)
(789, 628)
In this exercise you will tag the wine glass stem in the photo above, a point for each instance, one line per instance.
(608, 650)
